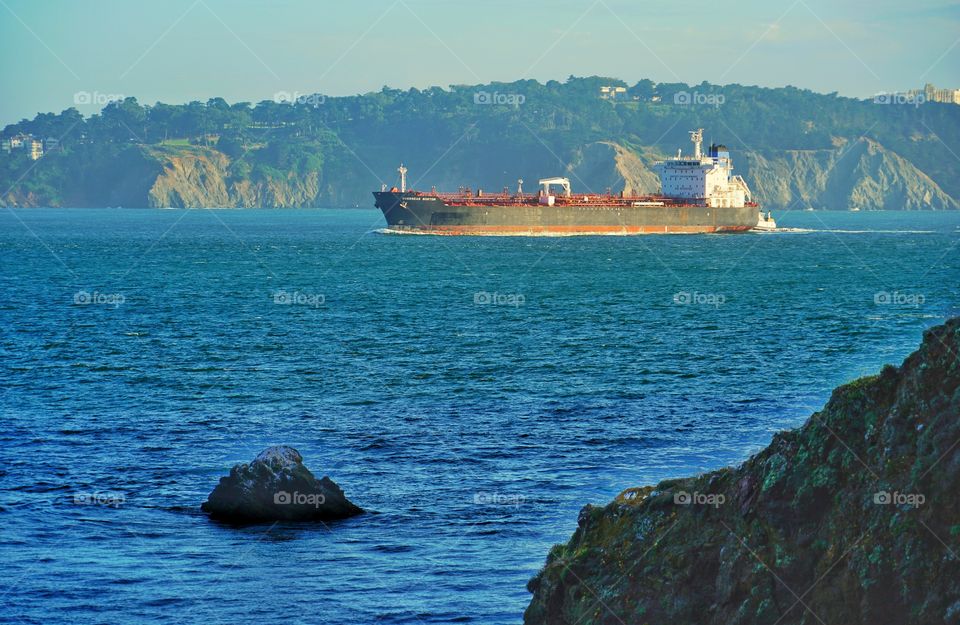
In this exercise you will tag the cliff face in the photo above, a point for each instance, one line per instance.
(606, 164)
(861, 174)
(117, 180)
(200, 178)
(854, 518)
(289, 192)
(189, 178)
(15, 198)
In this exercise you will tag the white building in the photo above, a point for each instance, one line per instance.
(34, 148)
(613, 93)
(15, 142)
(948, 96)
(932, 93)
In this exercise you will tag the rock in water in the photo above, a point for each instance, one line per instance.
(276, 486)
(854, 518)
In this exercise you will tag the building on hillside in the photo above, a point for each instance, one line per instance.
(34, 148)
(613, 93)
(16, 142)
(948, 96)
(932, 93)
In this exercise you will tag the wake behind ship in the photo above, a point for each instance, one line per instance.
(698, 194)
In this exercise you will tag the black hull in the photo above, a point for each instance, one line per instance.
(428, 214)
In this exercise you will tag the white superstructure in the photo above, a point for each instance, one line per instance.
(706, 178)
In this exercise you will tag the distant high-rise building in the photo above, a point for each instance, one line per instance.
(950, 96)
(932, 93)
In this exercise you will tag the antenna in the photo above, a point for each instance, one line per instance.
(697, 137)
(403, 178)
(519, 186)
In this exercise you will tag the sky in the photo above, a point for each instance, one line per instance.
(60, 53)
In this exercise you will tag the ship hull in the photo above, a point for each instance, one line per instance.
(425, 214)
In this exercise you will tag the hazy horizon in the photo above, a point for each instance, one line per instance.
(188, 50)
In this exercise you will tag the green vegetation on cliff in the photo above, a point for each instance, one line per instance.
(853, 518)
(796, 147)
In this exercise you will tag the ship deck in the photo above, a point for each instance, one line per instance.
(582, 200)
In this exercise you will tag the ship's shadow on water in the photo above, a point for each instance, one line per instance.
(472, 394)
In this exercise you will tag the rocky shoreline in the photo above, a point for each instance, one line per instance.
(853, 518)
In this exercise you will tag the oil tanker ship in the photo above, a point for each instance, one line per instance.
(698, 194)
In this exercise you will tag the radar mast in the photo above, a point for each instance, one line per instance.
(697, 137)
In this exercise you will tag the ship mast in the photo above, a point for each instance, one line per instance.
(403, 178)
(697, 137)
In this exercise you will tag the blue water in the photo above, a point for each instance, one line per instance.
(473, 432)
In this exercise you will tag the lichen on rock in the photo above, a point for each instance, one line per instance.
(853, 518)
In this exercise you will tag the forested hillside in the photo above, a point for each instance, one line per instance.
(796, 148)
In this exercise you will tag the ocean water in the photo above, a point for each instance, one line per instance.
(471, 393)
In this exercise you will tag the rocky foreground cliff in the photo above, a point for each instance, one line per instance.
(854, 518)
